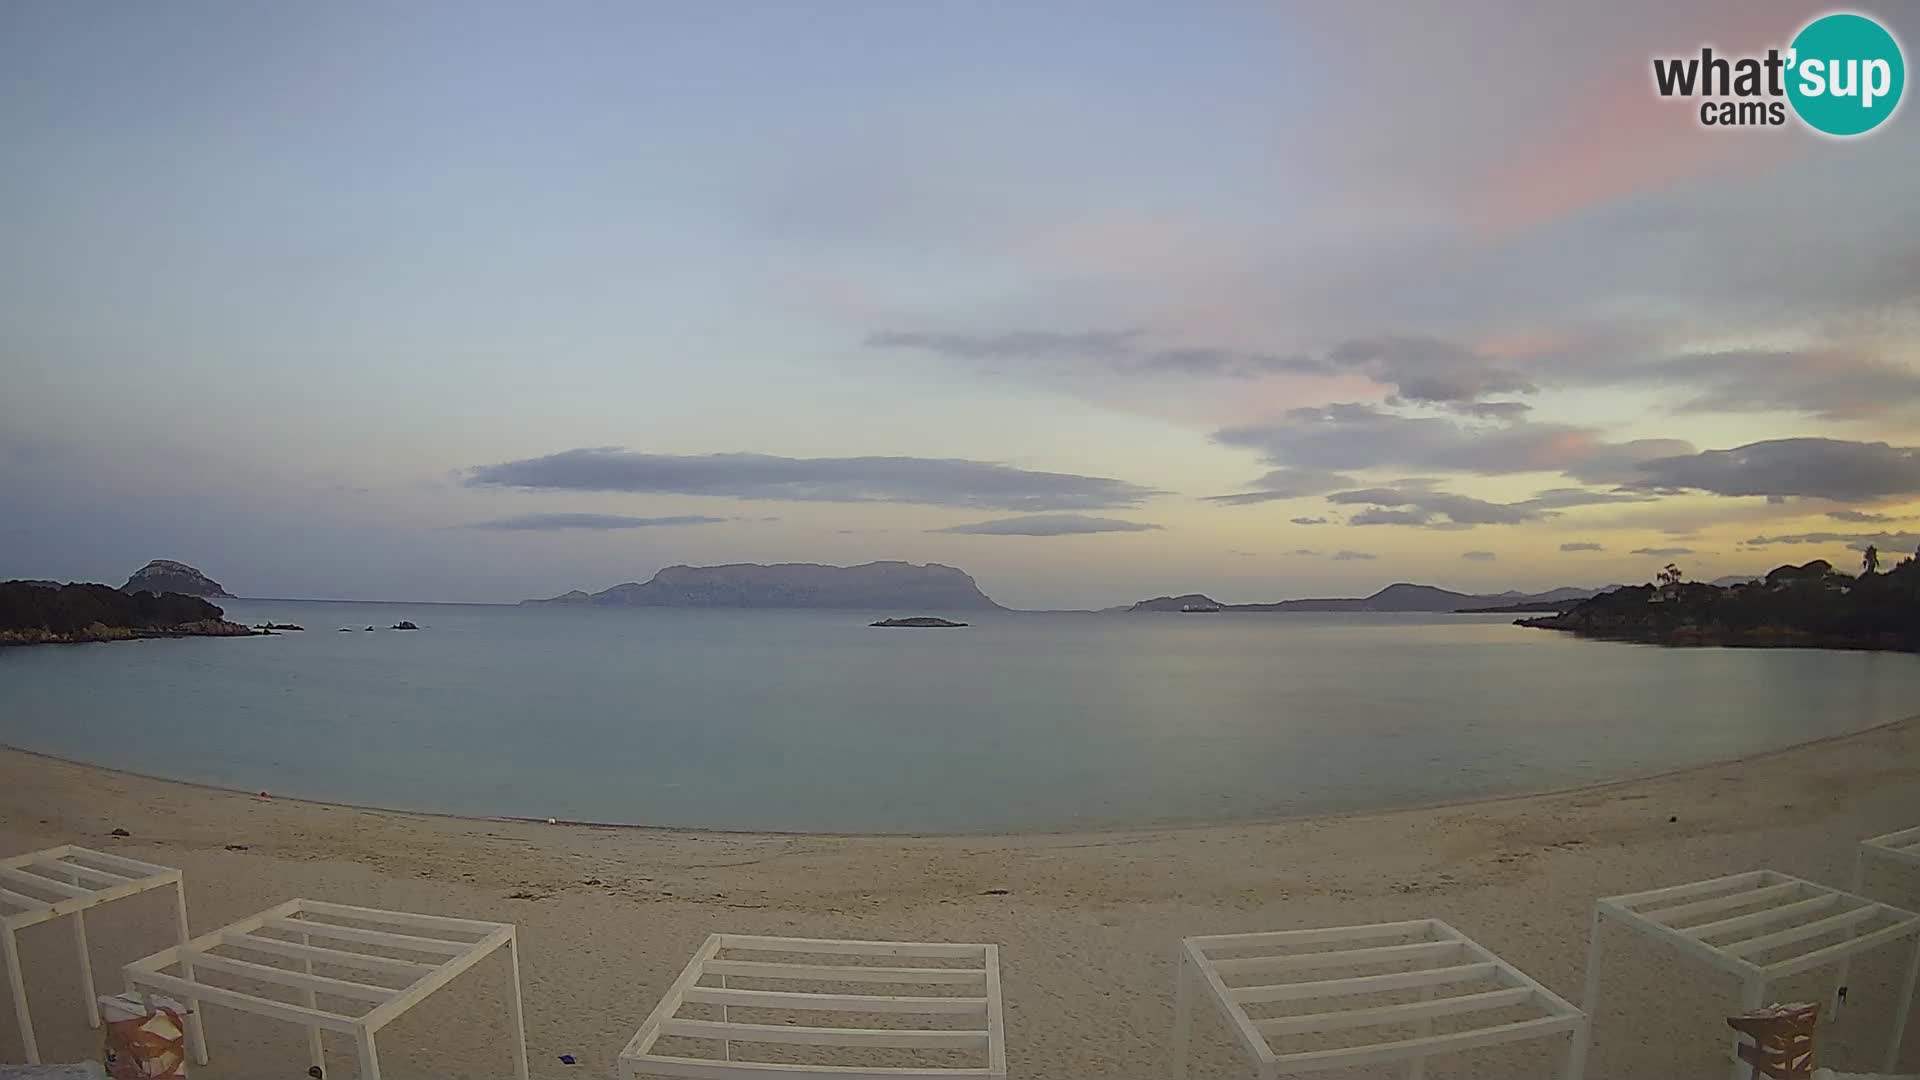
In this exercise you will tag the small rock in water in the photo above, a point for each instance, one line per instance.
(404, 625)
(119, 832)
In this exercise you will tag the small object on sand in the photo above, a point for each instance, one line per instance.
(1673, 820)
(996, 892)
(314, 1071)
(567, 1059)
(119, 832)
(236, 847)
(550, 821)
(1782, 1035)
(264, 795)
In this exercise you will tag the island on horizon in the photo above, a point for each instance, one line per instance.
(874, 586)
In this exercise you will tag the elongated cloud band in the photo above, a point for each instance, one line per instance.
(1050, 525)
(926, 481)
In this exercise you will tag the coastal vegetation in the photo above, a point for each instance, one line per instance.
(1811, 605)
(33, 613)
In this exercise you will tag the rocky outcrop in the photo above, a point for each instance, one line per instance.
(38, 615)
(875, 586)
(167, 576)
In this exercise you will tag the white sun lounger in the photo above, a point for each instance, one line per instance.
(67, 880)
(380, 985)
(1313, 974)
(951, 1010)
(1761, 926)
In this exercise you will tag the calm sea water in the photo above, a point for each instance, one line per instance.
(814, 721)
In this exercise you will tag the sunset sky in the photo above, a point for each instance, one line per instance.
(1095, 300)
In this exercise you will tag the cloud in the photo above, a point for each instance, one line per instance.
(1662, 552)
(1351, 556)
(1121, 352)
(1287, 484)
(1308, 520)
(1582, 545)
(1897, 541)
(1479, 556)
(926, 481)
(541, 522)
(1048, 525)
(1859, 517)
(1428, 369)
(1832, 383)
(1420, 504)
(1819, 468)
(1358, 436)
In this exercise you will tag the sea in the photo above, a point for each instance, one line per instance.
(813, 721)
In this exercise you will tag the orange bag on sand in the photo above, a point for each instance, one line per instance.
(144, 1043)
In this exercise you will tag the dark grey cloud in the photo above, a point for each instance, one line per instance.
(543, 522)
(1479, 556)
(1582, 545)
(1122, 352)
(927, 481)
(1665, 552)
(1308, 520)
(1352, 556)
(1426, 369)
(1861, 517)
(1287, 484)
(1048, 525)
(1836, 469)
(1359, 436)
(1885, 541)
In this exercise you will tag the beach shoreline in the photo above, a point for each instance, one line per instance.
(1089, 830)
(1088, 920)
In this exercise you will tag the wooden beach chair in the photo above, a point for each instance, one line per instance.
(731, 1015)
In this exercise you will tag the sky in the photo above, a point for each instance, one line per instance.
(1096, 301)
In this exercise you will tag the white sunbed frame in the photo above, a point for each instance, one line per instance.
(427, 935)
(78, 878)
(988, 1038)
(1459, 960)
(1781, 899)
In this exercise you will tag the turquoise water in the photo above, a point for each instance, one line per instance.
(812, 721)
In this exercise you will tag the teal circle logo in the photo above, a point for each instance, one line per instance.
(1845, 74)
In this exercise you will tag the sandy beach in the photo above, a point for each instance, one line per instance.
(1087, 922)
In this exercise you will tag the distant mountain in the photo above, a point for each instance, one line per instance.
(875, 586)
(1401, 596)
(166, 576)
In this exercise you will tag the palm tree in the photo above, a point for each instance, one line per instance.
(1870, 562)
